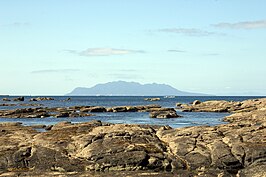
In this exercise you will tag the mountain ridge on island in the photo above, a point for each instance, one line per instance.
(123, 88)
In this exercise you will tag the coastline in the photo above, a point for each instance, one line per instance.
(236, 148)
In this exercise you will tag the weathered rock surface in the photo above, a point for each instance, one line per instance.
(77, 111)
(224, 106)
(164, 114)
(40, 112)
(234, 149)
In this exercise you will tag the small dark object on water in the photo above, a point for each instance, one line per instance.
(19, 99)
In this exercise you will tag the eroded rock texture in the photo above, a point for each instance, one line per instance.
(102, 149)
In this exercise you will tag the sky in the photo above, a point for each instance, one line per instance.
(207, 46)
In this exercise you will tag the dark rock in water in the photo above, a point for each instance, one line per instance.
(164, 114)
(6, 99)
(68, 99)
(62, 114)
(33, 99)
(19, 99)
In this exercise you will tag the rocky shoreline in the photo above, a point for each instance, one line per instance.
(156, 111)
(103, 149)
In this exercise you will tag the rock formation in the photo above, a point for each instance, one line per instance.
(102, 149)
(81, 111)
(152, 99)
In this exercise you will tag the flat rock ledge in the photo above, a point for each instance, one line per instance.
(82, 111)
(223, 106)
(102, 149)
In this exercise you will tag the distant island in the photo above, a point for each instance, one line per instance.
(122, 88)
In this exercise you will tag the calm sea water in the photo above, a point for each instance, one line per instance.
(188, 119)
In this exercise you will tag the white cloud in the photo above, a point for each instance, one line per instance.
(243, 25)
(189, 31)
(104, 52)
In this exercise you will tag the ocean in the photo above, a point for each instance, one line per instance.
(188, 119)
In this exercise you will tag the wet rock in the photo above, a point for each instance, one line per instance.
(19, 99)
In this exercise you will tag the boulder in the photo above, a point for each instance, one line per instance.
(164, 114)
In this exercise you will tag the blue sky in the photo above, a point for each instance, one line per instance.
(209, 46)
